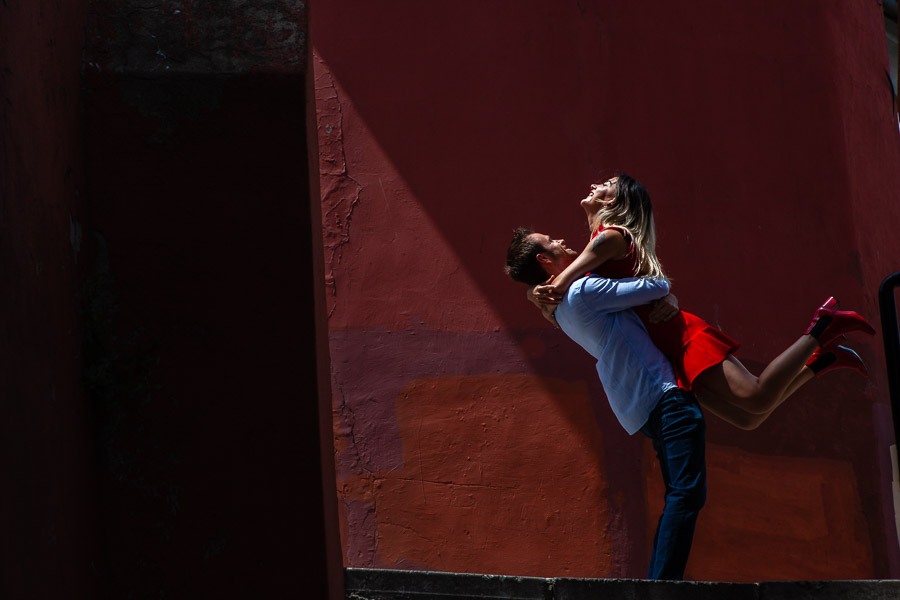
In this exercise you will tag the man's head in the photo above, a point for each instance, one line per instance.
(533, 257)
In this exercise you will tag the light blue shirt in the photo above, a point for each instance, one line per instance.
(596, 314)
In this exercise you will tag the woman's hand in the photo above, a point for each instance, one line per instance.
(663, 309)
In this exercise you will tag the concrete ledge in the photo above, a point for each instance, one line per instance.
(636, 589)
(379, 584)
(888, 589)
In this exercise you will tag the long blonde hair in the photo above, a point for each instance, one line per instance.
(633, 211)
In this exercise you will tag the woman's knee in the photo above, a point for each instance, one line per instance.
(730, 379)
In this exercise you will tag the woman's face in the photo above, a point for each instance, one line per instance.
(600, 195)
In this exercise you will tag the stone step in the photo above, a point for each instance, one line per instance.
(383, 584)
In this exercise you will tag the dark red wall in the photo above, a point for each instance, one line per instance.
(207, 400)
(765, 134)
(162, 270)
(47, 538)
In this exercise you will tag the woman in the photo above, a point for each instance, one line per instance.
(623, 244)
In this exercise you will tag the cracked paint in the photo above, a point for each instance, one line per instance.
(351, 459)
(340, 192)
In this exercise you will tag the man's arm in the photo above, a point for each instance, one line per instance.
(611, 295)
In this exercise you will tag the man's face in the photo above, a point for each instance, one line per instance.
(555, 252)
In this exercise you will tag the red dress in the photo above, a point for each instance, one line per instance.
(690, 343)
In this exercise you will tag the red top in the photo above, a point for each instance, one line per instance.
(689, 342)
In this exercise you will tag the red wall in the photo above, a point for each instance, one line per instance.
(472, 437)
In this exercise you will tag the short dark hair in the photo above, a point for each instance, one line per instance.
(521, 258)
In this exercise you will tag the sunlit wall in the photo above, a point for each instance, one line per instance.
(470, 435)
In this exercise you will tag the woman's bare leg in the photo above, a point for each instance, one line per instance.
(729, 412)
(740, 418)
(731, 381)
(803, 377)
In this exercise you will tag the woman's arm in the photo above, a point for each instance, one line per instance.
(664, 309)
(608, 245)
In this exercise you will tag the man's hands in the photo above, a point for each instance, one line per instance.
(546, 294)
(548, 307)
(663, 309)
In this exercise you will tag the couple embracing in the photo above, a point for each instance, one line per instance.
(657, 363)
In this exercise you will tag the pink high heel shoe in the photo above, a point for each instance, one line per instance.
(829, 324)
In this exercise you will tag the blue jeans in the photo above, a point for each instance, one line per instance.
(678, 431)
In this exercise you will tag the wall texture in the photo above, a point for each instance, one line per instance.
(472, 437)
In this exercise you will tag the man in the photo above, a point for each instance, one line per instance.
(638, 380)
